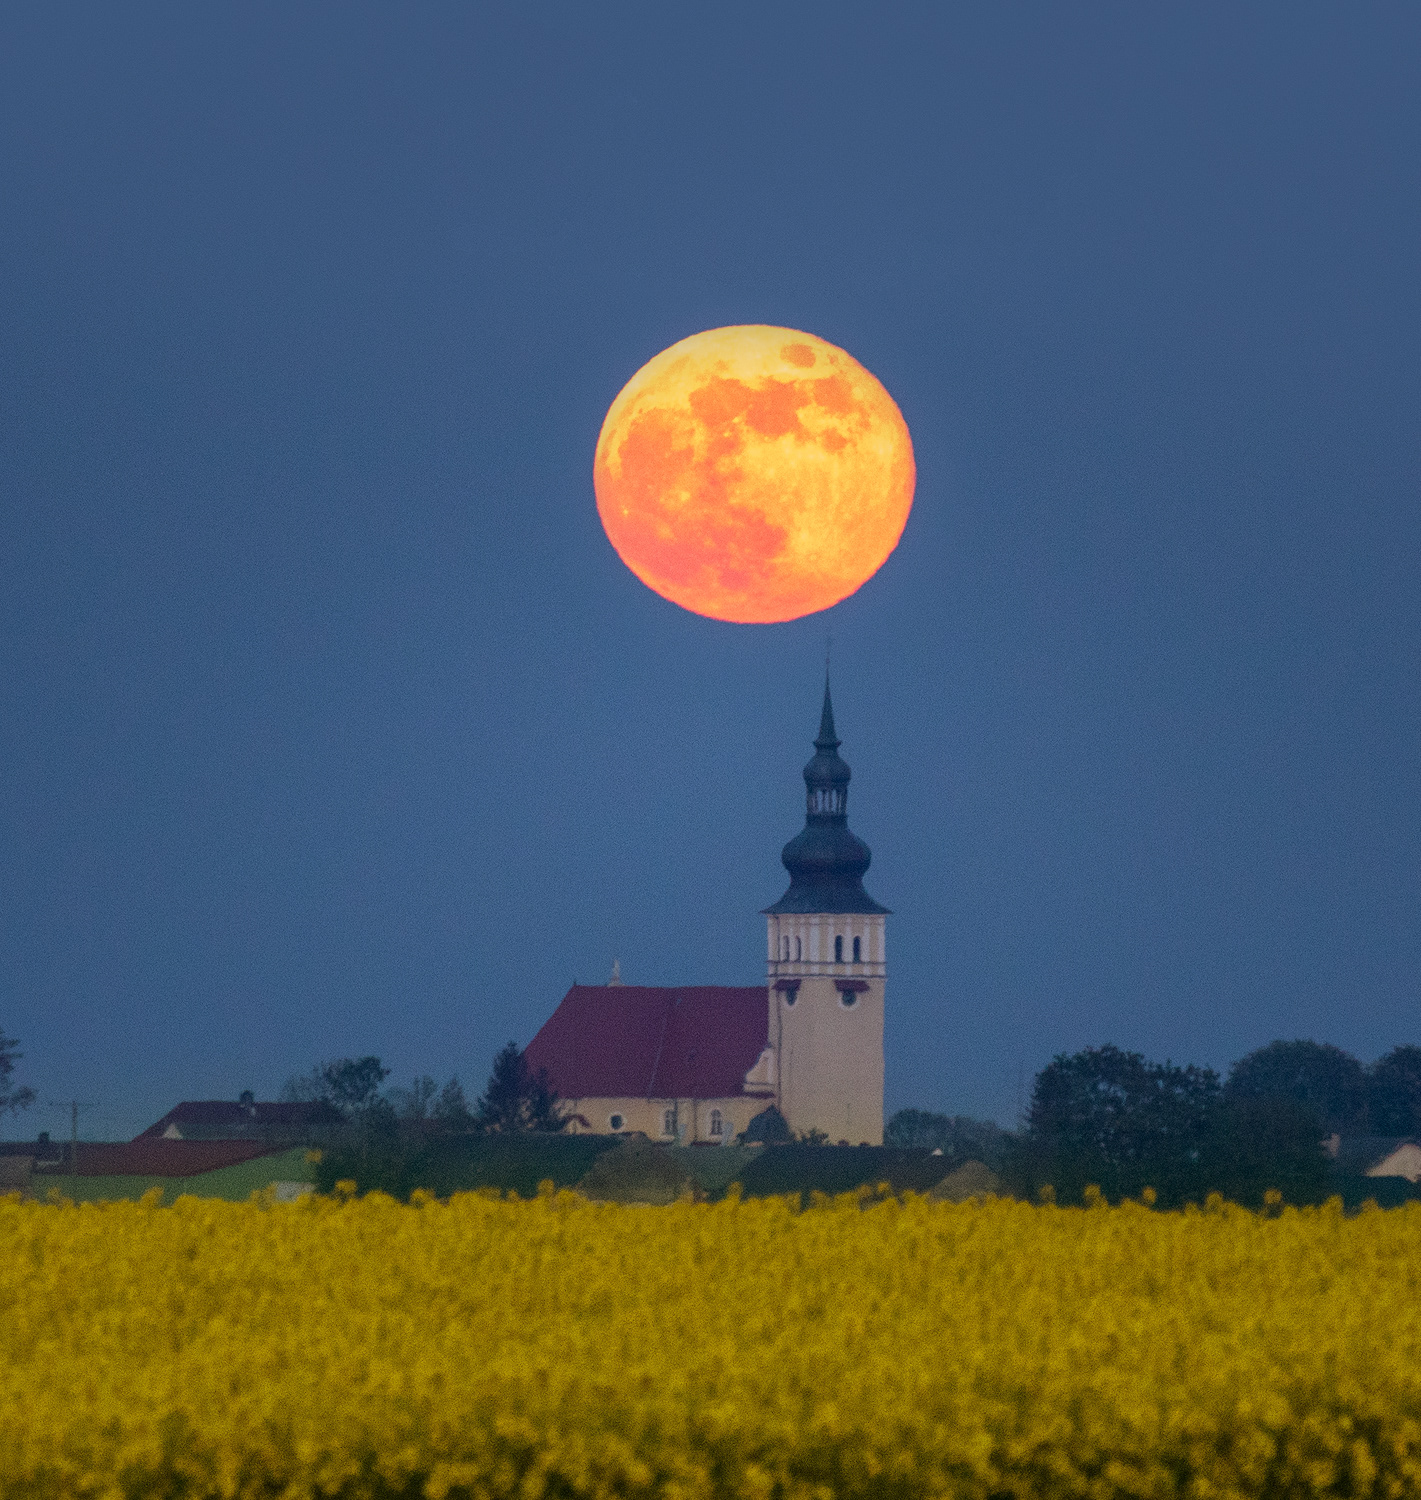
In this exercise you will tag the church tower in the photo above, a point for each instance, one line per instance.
(827, 965)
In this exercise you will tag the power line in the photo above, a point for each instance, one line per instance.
(73, 1106)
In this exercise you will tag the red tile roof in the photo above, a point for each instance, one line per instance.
(154, 1158)
(209, 1115)
(611, 1041)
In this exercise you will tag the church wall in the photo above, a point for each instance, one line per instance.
(692, 1117)
(830, 1052)
(804, 944)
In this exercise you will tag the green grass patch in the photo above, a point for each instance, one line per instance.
(236, 1183)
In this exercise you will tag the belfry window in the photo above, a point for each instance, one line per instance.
(785, 943)
(857, 959)
(796, 950)
(838, 950)
(717, 1125)
(668, 1122)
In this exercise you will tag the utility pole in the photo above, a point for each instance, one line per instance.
(73, 1106)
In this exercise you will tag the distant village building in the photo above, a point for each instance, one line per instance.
(1376, 1156)
(243, 1119)
(697, 1064)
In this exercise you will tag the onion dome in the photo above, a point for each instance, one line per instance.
(826, 862)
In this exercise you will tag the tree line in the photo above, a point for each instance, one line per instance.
(1100, 1116)
(515, 1098)
(1125, 1124)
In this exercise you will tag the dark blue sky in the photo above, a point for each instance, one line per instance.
(329, 721)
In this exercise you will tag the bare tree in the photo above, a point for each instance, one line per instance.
(17, 1097)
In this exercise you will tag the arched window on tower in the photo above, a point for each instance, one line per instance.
(784, 948)
(797, 950)
(856, 951)
(717, 1126)
(838, 950)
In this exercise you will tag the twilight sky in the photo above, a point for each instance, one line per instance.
(330, 723)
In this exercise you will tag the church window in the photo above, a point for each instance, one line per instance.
(856, 950)
(838, 950)
(796, 950)
(785, 947)
(668, 1122)
(717, 1126)
(615, 1121)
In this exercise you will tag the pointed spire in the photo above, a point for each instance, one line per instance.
(827, 739)
(616, 972)
(826, 862)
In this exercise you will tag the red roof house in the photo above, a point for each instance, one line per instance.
(688, 1062)
(244, 1119)
(150, 1157)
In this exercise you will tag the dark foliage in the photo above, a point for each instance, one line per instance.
(1122, 1122)
(1393, 1087)
(516, 1098)
(768, 1127)
(16, 1097)
(1385, 1192)
(1256, 1144)
(521, 1160)
(1125, 1124)
(802, 1169)
(638, 1171)
(1316, 1075)
(414, 1105)
(959, 1137)
(450, 1111)
(444, 1164)
(351, 1084)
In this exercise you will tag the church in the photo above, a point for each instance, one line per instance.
(697, 1064)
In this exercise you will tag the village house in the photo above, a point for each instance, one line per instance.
(1376, 1156)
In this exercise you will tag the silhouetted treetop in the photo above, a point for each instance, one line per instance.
(12, 1097)
(1322, 1078)
(516, 1098)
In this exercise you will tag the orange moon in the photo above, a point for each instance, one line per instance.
(754, 474)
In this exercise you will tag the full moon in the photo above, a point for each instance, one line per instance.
(754, 474)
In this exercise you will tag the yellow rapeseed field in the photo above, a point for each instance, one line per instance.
(565, 1348)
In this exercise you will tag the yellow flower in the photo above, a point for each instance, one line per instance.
(866, 1346)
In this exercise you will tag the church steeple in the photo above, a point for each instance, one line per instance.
(827, 739)
(826, 777)
(826, 862)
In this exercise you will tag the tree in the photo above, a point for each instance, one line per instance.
(767, 1127)
(429, 1110)
(451, 1110)
(1316, 1075)
(12, 1099)
(352, 1084)
(515, 1098)
(1118, 1120)
(1256, 1144)
(1394, 1093)
(414, 1104)
(958, 1137)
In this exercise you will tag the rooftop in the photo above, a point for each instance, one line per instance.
(634, 1041)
